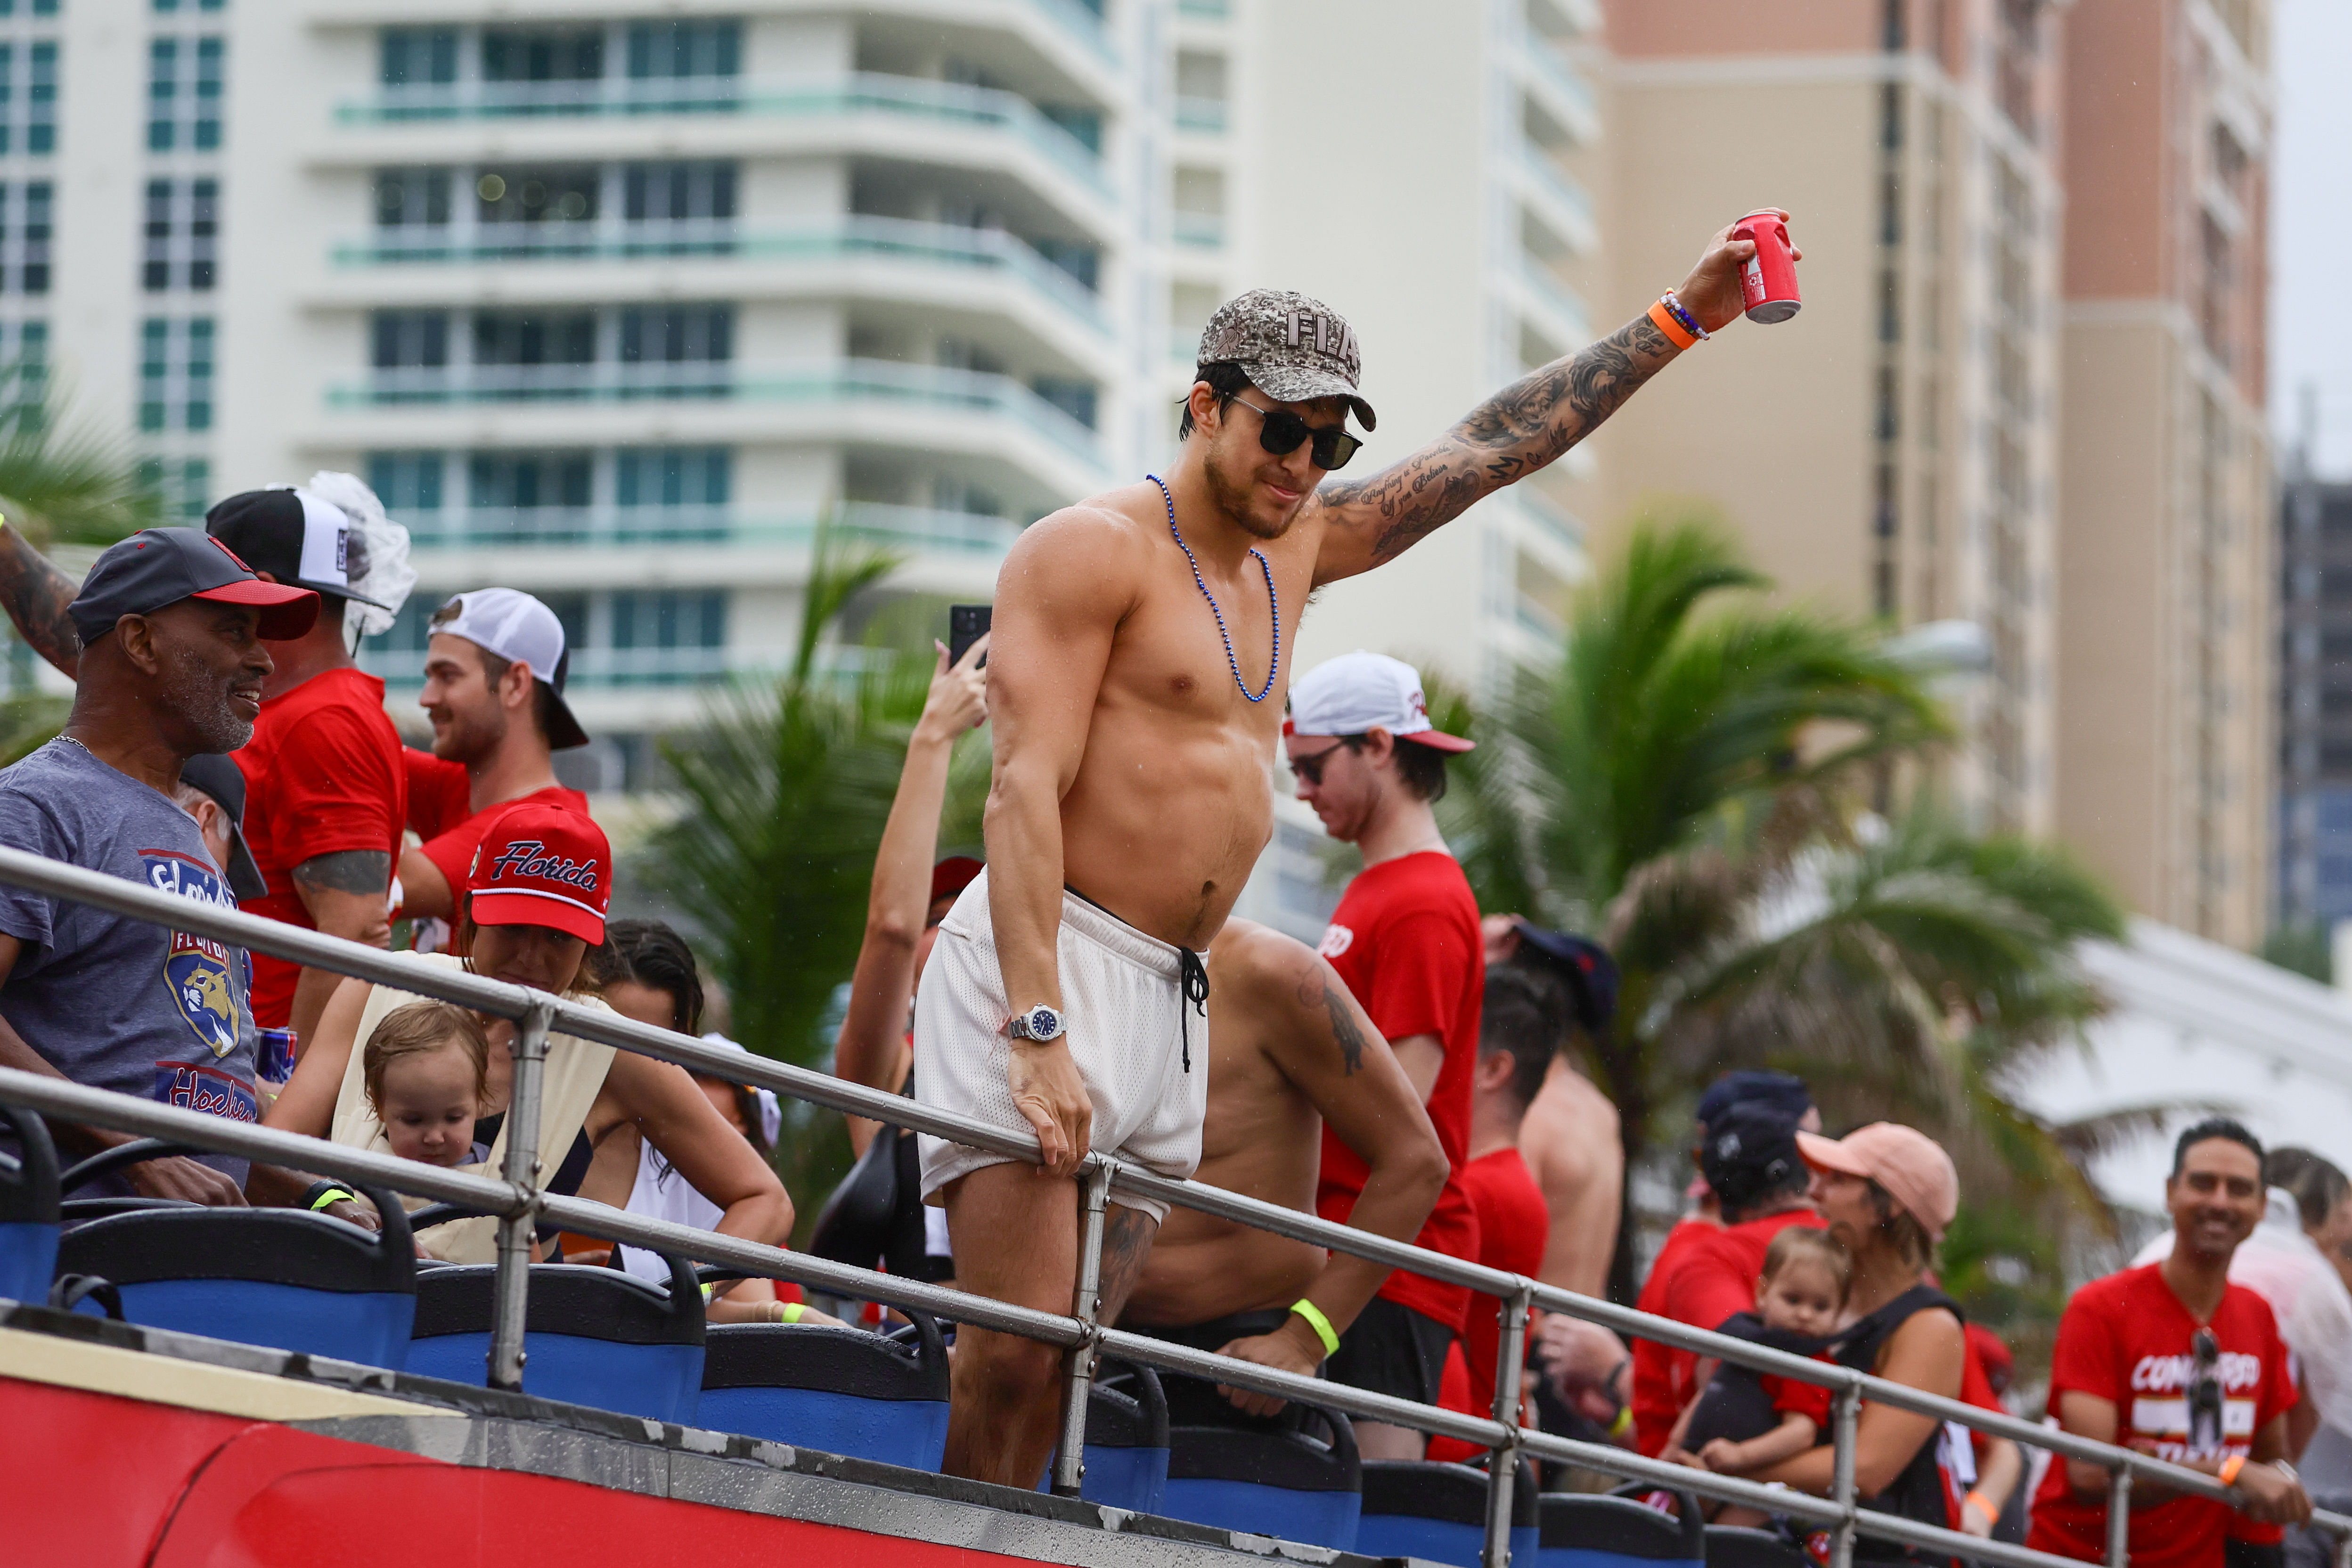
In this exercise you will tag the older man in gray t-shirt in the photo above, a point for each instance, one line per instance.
(171, 667)
(110, 1001)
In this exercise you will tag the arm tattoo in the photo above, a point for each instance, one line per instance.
(1511, 435)
(347, 871)
(35, 594)
(1344, 1030)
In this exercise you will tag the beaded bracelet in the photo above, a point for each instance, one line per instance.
(1681, 312)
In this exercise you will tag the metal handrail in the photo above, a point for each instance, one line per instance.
(517, 1201)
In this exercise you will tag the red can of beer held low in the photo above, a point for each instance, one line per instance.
(1767, 279)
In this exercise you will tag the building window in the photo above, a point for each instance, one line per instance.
(24, 229)
(677, 334)
(672, 477)
(407, 339)
(28, 98)
(1075, 398)
(176, 374)
(24, 374)
(530, 482)
(537, 193)
(534, 337)
(184, 94)
(183, 227)
(676, 192)
(412, 198)
(182, 486)
(418, 57)
(29, 8)
(668, 50)
(542, 54)
(406, 481)
(669, 617)
(166, 7)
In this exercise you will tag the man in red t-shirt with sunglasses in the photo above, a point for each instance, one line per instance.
(1405, 939)
(2173, 1359)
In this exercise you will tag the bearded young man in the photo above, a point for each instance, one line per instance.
(1137, 686)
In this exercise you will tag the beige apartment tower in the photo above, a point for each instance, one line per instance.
(2165, 759)
(1892, 450)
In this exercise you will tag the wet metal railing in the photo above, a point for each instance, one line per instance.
(519, 1203)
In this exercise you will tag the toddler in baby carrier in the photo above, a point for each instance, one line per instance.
(1745, 1421)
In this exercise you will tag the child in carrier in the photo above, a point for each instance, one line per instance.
(1745, 1420)
(427, 1069)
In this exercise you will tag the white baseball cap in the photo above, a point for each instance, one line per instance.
(517, 628)
(1360, 691)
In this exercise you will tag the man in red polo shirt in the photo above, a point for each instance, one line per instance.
(494, 675)
(1405, 940)
(2173, 1359)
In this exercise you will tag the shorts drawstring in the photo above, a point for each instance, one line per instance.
(1192, 979)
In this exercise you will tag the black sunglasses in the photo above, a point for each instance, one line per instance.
(1310, 769)
(1280, 431)
(2206, 1402)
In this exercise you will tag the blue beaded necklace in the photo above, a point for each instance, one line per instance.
(1271, 596)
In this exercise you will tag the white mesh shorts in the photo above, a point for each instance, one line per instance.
(1123, 993)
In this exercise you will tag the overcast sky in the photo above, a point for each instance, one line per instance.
(2311, 278)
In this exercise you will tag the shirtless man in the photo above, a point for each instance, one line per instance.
(1137, 693)
(1289, 1051)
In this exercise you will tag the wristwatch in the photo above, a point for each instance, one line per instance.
(1040, 1024)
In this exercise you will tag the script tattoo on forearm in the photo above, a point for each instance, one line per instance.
(35, 594)
(1511, 435)
(1344, 1030)
(347, 871)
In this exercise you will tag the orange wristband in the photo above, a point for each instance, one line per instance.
(2230, 1468)
(1664, 320)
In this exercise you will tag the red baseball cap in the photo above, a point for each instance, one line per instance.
(542, 866)
(953, 874)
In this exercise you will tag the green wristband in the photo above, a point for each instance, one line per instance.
(1320, 1323)
(326, 1193)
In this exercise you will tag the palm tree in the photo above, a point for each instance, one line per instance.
(787, 786)
(62, 481)
(1689, 784)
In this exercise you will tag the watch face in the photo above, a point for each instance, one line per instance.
(1042, 1024)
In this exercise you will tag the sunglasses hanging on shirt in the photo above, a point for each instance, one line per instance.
(2205, 1398)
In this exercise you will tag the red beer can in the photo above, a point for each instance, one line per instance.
(1767, 279)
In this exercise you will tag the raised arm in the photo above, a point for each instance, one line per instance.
(871, 1048)
(1521, 429)
(1328, 1047)
(1060, 597)
(36, 594)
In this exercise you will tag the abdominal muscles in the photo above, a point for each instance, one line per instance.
(1165, 820)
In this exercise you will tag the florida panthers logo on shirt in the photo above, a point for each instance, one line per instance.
(196, 968)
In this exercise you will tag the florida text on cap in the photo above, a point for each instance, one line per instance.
(542, 866)
(293, 535)
(1361, 691)
(1292, 348)
(161, 566)
(517, 628)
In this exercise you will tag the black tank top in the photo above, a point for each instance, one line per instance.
(1917, 1491)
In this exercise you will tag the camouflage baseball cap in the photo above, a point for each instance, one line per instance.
(1292, 347)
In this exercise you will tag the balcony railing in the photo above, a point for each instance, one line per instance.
(1557, 186)
(1206, 230)
(949, 245)
(867, 92)
(919, 529)
(1206, 115)
(1562, 79)
(852, 380)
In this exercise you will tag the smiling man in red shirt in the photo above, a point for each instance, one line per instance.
(1405, 939)
(2173, 1359)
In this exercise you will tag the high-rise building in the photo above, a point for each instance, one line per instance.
(1892, 450)
(2165, 572)
(616, 305)
(2314, 712)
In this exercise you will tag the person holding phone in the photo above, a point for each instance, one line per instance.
(1136, 683)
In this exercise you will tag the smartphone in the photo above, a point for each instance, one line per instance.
(966, 624)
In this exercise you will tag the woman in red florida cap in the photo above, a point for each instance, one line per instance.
(534, 903)
(1888, 1193)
